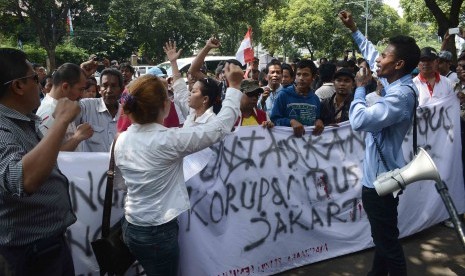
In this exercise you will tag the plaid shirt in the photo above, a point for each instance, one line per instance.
(27, 218)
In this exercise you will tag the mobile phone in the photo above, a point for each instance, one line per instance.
(454, 31)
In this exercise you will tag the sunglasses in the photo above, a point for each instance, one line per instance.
(34, 76)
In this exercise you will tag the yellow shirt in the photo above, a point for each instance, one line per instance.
(251, 121)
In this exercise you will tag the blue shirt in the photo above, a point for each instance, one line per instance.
(389, 119)
(290, 105)
(269, 102)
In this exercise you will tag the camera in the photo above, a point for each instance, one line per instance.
(454, 31)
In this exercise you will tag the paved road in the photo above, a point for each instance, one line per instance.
(435, 251)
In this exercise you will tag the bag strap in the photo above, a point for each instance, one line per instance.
(108, 193)
(414, 141)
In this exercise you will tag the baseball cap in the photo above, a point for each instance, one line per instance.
(251, 87)
(155, 71)
(445, 55)
(344, 72)
(428, 53)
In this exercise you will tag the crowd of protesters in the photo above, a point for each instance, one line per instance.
(70, 110)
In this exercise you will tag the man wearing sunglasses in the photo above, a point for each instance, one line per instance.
(35, 208)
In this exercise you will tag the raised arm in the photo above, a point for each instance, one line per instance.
(173, 55)
(197, 63)
(368, 50)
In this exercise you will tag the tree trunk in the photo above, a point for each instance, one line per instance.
(445, 22)
(51, 59)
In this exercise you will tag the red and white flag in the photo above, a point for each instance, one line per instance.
(245, 52)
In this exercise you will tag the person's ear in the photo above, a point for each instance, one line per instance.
(205, 100)
(17, 87)
(400, 64)
(65, 86)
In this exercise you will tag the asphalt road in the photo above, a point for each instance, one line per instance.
(434, 251)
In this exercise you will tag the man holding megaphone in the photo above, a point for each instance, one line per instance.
(387, 122)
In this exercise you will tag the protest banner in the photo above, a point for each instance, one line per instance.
(268, 201)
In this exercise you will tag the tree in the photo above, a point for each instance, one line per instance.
(313, 25)
(144, 26)
(445, 15)
(48, 17)
(233, 17)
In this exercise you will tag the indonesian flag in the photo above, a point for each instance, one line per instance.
(245, 52)
(69, 22)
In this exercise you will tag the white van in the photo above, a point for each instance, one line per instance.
(211, 62)
(140, 70)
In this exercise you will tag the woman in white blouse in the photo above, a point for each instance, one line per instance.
(205, 96)
(150, 158)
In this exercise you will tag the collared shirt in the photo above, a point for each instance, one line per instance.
(28, 218)
(452, 76)
(150, 158)
(388, 119)
(428, 94)
(45, 112)
(269, 102)
(331, 113)
(192, 120)
(95, 113)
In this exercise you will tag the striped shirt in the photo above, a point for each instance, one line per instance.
(27, 218)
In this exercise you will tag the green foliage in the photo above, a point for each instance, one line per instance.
(313, 25)
(67, 52)
(6, 41)
(35, 54)
(148, 25)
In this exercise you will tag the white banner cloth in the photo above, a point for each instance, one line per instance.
(269, 202)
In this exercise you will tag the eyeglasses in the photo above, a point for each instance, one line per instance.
(34, 76)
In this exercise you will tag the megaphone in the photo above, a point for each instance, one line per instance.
(421, 167)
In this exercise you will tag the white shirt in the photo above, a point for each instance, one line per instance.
(45, 111)
(207, 116)
(150, 157)
(452, 76)
(95, 113)
(181, 94)
(327, 90)
(442, 88)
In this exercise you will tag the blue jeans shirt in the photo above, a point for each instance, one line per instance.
(389, 119)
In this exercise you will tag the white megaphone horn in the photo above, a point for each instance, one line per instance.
(421, 167)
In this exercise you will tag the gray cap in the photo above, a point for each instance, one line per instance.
(445, 55)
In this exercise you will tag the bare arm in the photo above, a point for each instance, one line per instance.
(445, 41)
(197, 63)
(39, 162)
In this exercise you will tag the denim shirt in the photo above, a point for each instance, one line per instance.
(389, 119)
